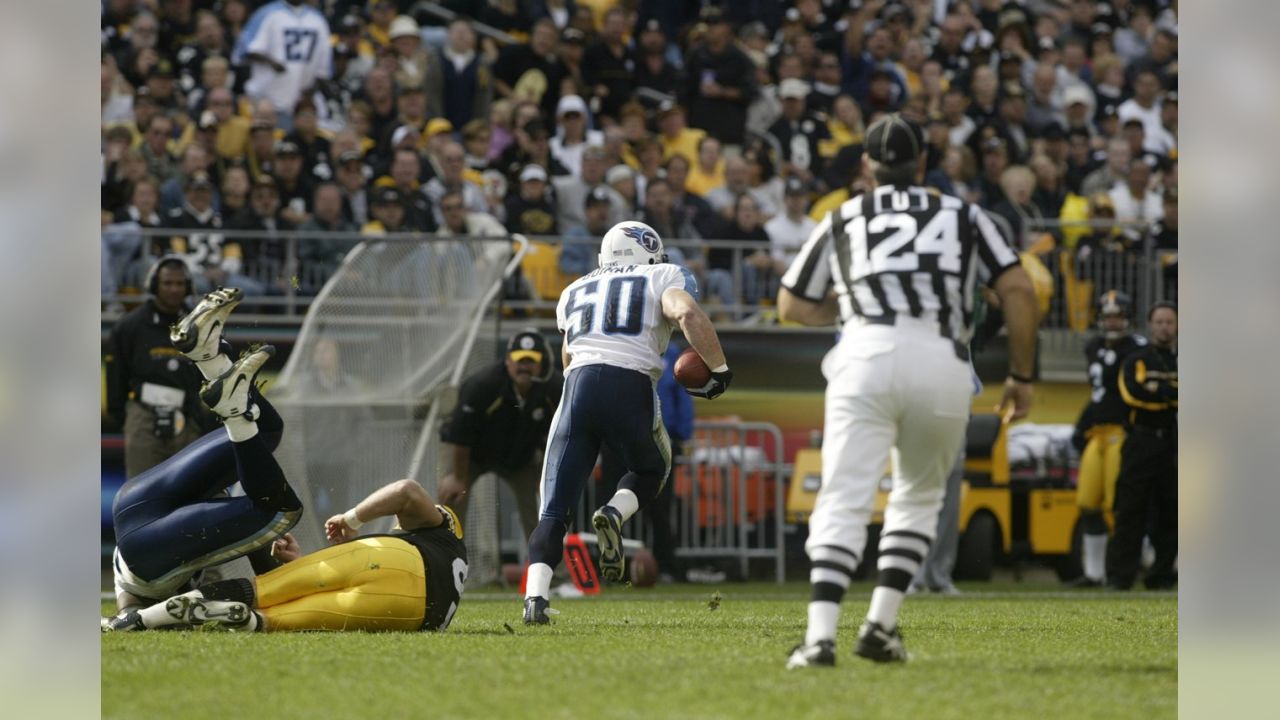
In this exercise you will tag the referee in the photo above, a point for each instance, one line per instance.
(903, 263)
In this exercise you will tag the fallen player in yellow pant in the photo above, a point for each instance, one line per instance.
(410, 579)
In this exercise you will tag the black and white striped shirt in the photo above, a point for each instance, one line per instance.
(902, 250)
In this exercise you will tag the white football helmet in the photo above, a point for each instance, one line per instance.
(631, 243)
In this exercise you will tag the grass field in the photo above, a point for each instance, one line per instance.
(1000, 651)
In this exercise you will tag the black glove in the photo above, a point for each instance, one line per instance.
(715, 387)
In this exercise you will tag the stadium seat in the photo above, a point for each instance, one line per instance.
(541, 265)
(1078, 294)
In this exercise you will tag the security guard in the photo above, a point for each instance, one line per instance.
(1102, 426)
(500, 425)
(152, 390)
(1147, 488)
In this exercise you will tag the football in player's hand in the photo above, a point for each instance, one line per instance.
(644, 569)
(691, 370)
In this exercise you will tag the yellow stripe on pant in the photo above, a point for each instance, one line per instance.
(1099, 467)
(371, 584)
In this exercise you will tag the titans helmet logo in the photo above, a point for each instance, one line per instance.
(647, 238)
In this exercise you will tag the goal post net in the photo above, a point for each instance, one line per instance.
(376, 367)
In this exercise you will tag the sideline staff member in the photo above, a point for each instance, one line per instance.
(152, 390)
(500, 425)
(1149, 460)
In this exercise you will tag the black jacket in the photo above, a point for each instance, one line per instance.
(139, 351)
(501, 432)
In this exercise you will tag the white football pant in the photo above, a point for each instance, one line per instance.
(895, 391)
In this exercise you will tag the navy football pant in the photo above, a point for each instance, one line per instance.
(168, 520)
(608, 406)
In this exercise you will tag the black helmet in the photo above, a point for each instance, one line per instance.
(1114, 302)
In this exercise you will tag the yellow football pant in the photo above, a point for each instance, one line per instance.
(371, 584)
(1099, 467)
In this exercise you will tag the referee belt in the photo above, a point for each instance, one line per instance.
(961, 350)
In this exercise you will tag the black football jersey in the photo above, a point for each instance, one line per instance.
(1105, 359)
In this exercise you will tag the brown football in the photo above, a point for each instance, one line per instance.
(690, 369)
(644, 569)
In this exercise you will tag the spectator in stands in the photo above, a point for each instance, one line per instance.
(126, 253)
(955, 175)
(452, 179)
(578, 254)
(1078, 113)
(608, 65)
(352, 181)
(653, 68)
(693, 206)
(720, 82)
(464, 78)
(287, 48)
(476, 139)
(1049, 193)
(295, 188)
(707, 173)
(572, 135)
(745, 226)
(194, 160)
(320, 257)
(623, 181)
(1044, 107)
(233, 129)
(1110, 83)
(1116, 169)
(864, 57)
(117, 100)
(826, 84)
(534, 63)
(676, 138)
(459, 221)
(572, 192)
(380, 95)
(414, 64)
(1164, 235)
(1080, 161)
(724, 199)
(983, 90)
(306, 136)
(766, 184)
(531, 209)
(212, 261)
(261, 152)
(799, 133)
(387, 210)
(419, 213)
(995, 159)
(234, 191)
(193, 58)
(1135, 200)
(1018, 182)
(790, 229)
(532, 147)
(155, 147)
(265, 254)
(660, 213)
(1103, 256)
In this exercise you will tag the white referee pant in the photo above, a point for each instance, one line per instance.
(895, 391)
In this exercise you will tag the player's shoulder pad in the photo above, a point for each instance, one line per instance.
(689, 282)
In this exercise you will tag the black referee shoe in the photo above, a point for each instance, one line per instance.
(876, 643)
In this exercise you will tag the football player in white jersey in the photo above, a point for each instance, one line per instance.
(287, 42)
(617, 321)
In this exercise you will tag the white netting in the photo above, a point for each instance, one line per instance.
(373, 370)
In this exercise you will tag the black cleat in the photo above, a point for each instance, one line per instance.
(197, 333)
(128, 621)
(876, 643)
(228, 395)
(608, 525)
(820, 654)
(537, 611)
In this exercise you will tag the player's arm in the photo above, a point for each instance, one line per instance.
(1018, 302)
(680, 308)
(793, 308)
(405, 499)
(565, 355)
(454, 484)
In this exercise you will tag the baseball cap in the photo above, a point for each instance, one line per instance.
(399, 134)
(388, 196)
(618, 173)
(261, 124)
(652, 25)
(264, 180)
(1075, 94)
(573, 36)
(403, 26)
(713, 15)
(893, 139)
(526, 345)
(666, 108)
(349, 156)
(796, 186)
(993, 144)
(437, 126)
(793, 88)
(1133, 122)
(571, 104)
(1101, 28)
(199, 179)
(598, 196)
(349, 23)
(208, 120)
(1012, 89)
(287, 147)
(1053, 131)
(533, 172)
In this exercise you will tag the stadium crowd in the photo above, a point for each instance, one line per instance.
(735, 121)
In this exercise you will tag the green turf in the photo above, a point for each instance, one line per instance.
(665, 653)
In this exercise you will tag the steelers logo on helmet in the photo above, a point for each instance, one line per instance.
(631, 243)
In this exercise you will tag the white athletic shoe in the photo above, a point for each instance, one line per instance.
(228, 394)
(198, 611)
(197, 334)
